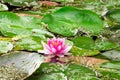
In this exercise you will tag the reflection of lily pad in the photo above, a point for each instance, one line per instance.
(19, 65)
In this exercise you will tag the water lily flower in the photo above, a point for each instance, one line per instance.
(56, 47)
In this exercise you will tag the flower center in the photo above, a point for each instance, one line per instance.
(55, 43)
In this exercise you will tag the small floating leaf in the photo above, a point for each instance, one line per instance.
(5, 46)
(112, 54)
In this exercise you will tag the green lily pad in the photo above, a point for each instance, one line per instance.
(5, 46)
(77, 72)
(29, 43)
(113, 15)
(63, 72)
(67, 20)
(89, 43)
(111, 65)
(76, 51)
(110, 70)
(12, 25)
(10, 30)
(23, 22)
(109, 74)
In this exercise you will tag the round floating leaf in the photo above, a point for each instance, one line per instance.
(42, 33)
(54, 71)
(109, 74)
(28, 22)
(104, 45)
(9, 18)
(113, 55)
(111, 65)
(113, 15)
(5, 46)
(52, 76)
(28, 43)
(10, 30)
(89, 43)
(110, 70)
(76, 51)
(12, 25)
(83, 42)
(67, 20)
(19, 65)
(77, 72)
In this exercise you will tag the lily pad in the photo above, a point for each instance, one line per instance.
(5, 46)
(12, 24)
(67, 20)
(28, 43)
(111, 65)
(63, 72)
(76, 51)
(112, 54)
(19, 65)
(113, 15)
(110, 70)
(89, 43)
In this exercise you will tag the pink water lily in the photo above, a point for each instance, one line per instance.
(56, 47)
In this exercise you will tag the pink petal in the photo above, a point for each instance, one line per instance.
(49, 42)
(53, 50)
(60, 55)
(54, 39)
(67, 49)
(59, 47)
(47, 49)
(63, 42)
(44, 51)
(48, 52)
(50, 45)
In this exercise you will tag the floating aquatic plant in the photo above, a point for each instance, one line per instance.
(55, 47)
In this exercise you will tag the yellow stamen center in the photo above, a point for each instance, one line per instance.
(55, 43)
